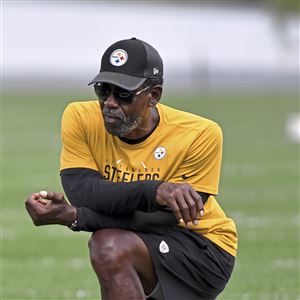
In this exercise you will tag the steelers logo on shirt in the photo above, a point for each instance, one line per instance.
(118, 57)
(160, 152)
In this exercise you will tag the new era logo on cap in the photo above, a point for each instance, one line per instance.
(155, 71)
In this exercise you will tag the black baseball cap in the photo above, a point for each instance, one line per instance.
(129, 63)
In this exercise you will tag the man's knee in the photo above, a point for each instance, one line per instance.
(107, 252)
(113, 251)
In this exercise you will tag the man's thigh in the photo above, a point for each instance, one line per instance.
(126, 244)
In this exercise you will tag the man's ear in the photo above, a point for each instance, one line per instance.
(155, 93)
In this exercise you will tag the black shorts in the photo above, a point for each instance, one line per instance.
(188, 265)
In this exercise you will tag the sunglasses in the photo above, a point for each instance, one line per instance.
(123, 96)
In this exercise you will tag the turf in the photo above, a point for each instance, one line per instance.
(259, 190)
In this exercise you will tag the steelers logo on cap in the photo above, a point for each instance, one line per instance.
(118, 57)
(160, 152)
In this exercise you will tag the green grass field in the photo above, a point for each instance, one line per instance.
(259, 189)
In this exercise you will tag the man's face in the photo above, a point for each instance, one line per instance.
(123, 118)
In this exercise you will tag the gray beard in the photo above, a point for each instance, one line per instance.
(125, 128)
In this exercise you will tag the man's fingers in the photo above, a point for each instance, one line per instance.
(43, 194)
(28, 202)
(184, 208)
(35, 196)
(34, 204)
(174, 207)
(184, 201)
(198, 200)
(43, 201)
(32, 200)
(34, 208)
(53, 196)
(48, 207)
(192, 209)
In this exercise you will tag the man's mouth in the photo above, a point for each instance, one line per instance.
(111, 118)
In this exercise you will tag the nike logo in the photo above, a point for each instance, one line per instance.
(186, 177)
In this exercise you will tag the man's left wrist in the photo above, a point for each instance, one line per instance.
(70, 216)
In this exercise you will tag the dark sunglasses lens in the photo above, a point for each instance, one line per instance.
(123, 96)
(101, 91)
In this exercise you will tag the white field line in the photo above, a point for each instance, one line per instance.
(284, 263)
(255, 169)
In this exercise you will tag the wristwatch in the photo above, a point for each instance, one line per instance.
(73, 225)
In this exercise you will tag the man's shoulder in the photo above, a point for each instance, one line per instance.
(83, 106)
(86, 113)
(180, 118)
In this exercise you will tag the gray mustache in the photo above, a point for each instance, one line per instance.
(113, 114)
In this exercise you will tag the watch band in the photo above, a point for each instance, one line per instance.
(73, 225)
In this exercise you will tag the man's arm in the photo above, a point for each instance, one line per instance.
(47, 208)
(176, 197)
(52, 208)
(155, 222)
(85, 188)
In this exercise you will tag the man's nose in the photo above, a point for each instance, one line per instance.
(111, 101)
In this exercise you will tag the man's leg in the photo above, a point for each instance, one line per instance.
(122, 264)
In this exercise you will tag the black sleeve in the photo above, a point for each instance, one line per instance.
(155, 222)
(86, 188)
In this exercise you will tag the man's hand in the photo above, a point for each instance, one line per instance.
(184, 201)
(50, 208)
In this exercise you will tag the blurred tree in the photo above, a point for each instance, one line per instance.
(280, 6)
(285, 6)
